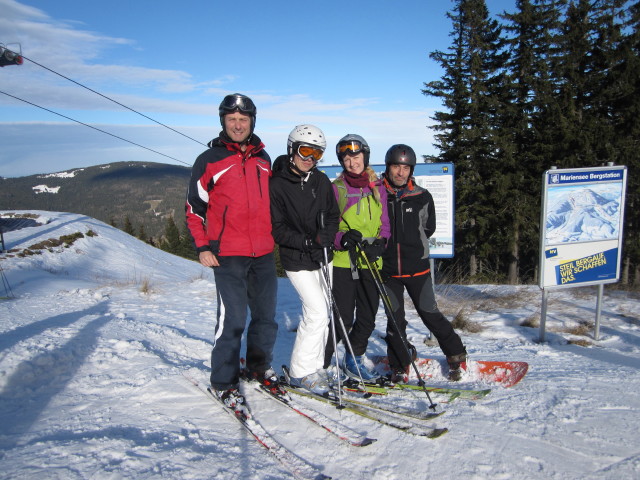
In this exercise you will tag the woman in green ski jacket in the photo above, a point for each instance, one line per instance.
(363, 230)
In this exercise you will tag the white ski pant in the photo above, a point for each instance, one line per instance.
(308, 350)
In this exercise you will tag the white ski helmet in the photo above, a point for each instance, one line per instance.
(305, 135)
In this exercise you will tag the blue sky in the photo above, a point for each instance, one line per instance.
(347, 67)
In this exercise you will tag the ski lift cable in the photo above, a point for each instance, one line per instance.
(95, 128)
(112, 100)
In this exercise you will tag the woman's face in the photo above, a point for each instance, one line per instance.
(303, 164)
(354, 163)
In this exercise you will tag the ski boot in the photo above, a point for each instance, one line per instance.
(268, 379)
(315, 382)
(332, 374)
(353, 364)
(455, 366)
(231, 398)
(397, 375)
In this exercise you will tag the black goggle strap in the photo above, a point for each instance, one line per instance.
(241, 104)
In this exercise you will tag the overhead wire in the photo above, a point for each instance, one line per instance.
(112, 100)
(95, 128)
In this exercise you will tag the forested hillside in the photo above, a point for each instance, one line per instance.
(555, 83)
(136, 197)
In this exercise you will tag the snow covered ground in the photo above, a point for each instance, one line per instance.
(96, 335)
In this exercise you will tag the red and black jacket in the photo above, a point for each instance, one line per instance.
(227, 206)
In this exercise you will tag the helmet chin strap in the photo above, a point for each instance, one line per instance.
(295, 169)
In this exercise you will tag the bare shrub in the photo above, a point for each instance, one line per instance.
(145, 287)
(532, 321)
(462, 322)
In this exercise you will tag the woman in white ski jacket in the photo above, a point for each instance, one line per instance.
(299, 193)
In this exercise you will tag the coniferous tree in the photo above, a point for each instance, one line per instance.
(576, 77)
(142, 234)
(128, 227)
(626, 119)
(187, 247)
(470, 90)
(604, 82)
(452, 90)
(521, 124)
(171, 240)
(568, 96)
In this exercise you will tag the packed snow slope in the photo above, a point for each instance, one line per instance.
(97, 331)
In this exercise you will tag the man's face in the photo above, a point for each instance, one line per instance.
(399, 174)
(237, 126)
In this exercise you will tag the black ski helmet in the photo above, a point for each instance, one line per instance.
(236, 102)
(359, 143)
(400, 154)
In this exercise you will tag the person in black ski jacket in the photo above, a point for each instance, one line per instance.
(406, 266)
(299, 193)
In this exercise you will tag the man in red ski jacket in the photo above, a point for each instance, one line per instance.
(228, 216)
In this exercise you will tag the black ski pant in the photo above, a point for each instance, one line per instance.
(420, 290)
(241, 283)
(359, 296)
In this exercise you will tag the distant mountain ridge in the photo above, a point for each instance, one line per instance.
(145, 192)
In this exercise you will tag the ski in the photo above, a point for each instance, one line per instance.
(392, 409)
(453, 393)
(385, 417)
(300, 469)
(335, 428)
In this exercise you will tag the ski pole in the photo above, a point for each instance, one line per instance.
(333, 313)
(361, 385)
(327, 280)
(325, 268)
(386, 301)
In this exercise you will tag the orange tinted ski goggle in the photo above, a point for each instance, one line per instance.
(305, 151)
(352, 147)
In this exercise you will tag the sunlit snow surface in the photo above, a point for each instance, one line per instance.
(95, 338)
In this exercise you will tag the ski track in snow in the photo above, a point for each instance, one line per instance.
(93, 348)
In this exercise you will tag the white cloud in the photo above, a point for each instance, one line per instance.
(40, 144)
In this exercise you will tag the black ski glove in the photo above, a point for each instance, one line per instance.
(374, 250)
(350, 239)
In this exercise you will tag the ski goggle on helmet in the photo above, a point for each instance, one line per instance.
(352, 144)
(307, 151)
(237, 102)
(308, 141)
(351, 147)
